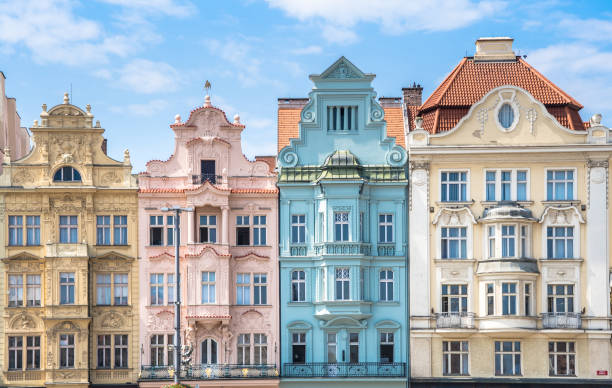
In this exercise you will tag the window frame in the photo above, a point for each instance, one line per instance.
(500, 352)
(298, 284)
(569, 300)
(69, 286)
(210, 286)
(68, 349)
(116, 230)
(568, 242)
(574, 182)
(386, 338)
(344, 282)
(387, 284)
(459, 182)
(342, 227)
(510, 299)
(386, 228)
(446, 241)
(447, 358)
(260, 288)
(241, 228)
(553, 358)
(78, 177)
(70, 228)
(298, 339)
(298, 229)
(514, 182)
(243, 288)
(204, 222)
(447, 298)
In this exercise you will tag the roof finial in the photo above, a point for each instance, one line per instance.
(66, 98)
(236, 119)
(207, 89)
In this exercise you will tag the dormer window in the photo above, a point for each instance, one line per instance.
(506, 116)
(67, 174)
(342, 118)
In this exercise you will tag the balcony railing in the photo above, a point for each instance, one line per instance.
(212, 178)
(361, 369)
(298, 250)
(463, 320)
(209, 372)
(561, 320)
(342, 248)
(386, 249)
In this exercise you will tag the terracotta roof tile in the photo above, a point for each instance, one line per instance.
(254, 191)
(161, 190)
(270, 160)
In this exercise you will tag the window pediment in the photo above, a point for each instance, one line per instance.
(569, 215)
(454, 217)
(299, 325)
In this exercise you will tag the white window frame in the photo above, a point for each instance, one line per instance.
(498, 240)
(567, 242)
(467, 184)
(455, 218)
(460, 296)
(331, 347)
(386, 283)
(209, 226)
(339, 278)
(447, 354)
(508, 296)
(260, 288)
(208, 287)
(260, 349)
(574, 181)
(243, 288)
(300, 285)
(342, 237)
(565, 297)
(385, 225)
(33, 290)
(462, 241)
(565, 217)
(513, 353)
(554, 353)
(243, 345)
(299, 226)
(513, 184)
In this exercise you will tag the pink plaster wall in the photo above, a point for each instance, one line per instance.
(12, 134)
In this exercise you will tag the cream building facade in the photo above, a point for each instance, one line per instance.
(69, 276)
(509, 233)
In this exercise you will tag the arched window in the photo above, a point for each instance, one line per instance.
(506, 115)
(67, 174)
(209, 351)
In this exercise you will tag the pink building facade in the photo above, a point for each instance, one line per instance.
(14, 139)
(228, 258)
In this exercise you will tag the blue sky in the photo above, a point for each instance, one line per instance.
(141, 62)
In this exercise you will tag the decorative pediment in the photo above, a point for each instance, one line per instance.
(299, 325)
(344, 322)
(22, 256)
(66, 326)
(111, 320)
(160, 320)
(462, 216)
(342, 69)
(251, 256)
(112, 255)
(162, 256)
(561, 216)
(23, 322)
(387, 324)
(206, 250)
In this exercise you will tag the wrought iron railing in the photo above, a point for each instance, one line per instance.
(561, 320)
(461, 320)
(342, 248)
(212, 178)
(209, 372)
(361, 369)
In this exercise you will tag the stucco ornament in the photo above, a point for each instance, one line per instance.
(288, 157)
(397, 156)
(376, 111)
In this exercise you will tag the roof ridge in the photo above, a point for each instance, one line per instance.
(570, 99)
(450, 77)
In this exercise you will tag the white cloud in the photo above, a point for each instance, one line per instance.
(146, 109)
(240, 55)
(339, 17)
(307, 50)
(144, 76)
(167, 7)
(588, 29)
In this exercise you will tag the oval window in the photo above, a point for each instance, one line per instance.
(67, 174)
(506, 116)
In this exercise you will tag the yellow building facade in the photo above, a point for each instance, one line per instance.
(69, 275)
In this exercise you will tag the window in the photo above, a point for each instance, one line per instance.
(15, 350)
(321, 227)
(242, 230)
(260, 288)
(491, 240)
(156, 285)
(490, 288)
(207, 169)
(490, 185)
(33, 352)
(15, 290)
(298, 348)
(560, 242)
(361, 227)
(506, 116)
(508, 241)
(454, 298)
(259, 230)
(208, 229)
(455, 358)
(454, 186)
(104, 351)
(560, 298)
(157, 350)
(120, 230)
(15, 230)
(454, 243)
(66, 346)
(208, 287)
(353, 348)
(298, 286)
(561, 358)
(67, 174)
(33, 290)
(362, 284)
(261, 349)
(386, 347)
(169, 230)
(170, 286)
(121, 289)
(67, 288)
(298, 229)
(169, 349)
(244, 349)
(341, 118)
(343, 282)
(331, 348)
(385, 228)
(243, 288)
(33, 230)
(103, 290)
(521, 185)
(506, 185)
(523, 241)
(341, 226)
(69, 229)
(209, 351)
(507, 358)
(560, 185)
(509, 298)
(103, 230)
(386, 285)
(156, 230)
(121, 351)
(527, 299)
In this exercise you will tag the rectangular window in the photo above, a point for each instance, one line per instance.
(386, 349)
(560, 298)
(342, 118)
(15, 290)
(260, 348)
(15, 230)
(353, 348)
(507, 358)
(157, 350)
(521, 185)
(121, 351)
(121, 289)
(298, 229)
(454, 298)
(523, 241)
(169, 230)
(491, 182)
(15, 352)
(490, 288)
(560, 242)
(298, 286)
(259, 230)
(509, 298)
(298, 348)
(244, 349)
(454, 243)
(361, 227)
(103, 290)
(33, 352)
(506, 185)
(491, 240)
(341, 226)
(560, 185)
(386, 285)
(156, 286)
(104, 351)
(120, 230)
(454, 186)
(208, 229)
(527, 299)
(208, 287)
(156, 230)
(455, 358)
(508, 241)
(33, 290)
(343, 284)
(33, 230)
(561, 358)
(67, 288)
(69, 229)
(260, 288)
(385, 228)
(331, 348)
(103, 226)
(170, 286)
(243, 288)
(207, 170)
(66, 346)
(243, 231)
(169, 349)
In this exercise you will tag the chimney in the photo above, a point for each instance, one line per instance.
(494, 49)
(413, 96)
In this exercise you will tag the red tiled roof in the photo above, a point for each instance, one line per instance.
(209, 316)
(254, 191)
(161, 190)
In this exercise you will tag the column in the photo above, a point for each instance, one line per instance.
(190, 226)
(224, 225)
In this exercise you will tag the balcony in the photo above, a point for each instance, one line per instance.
(212, 178)
(362, 369)
(344, 248)
(209, 372)
(66, 250)
(24, 375)
(386, 249)
(455, 320)
(298, 250)
(561, 321)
